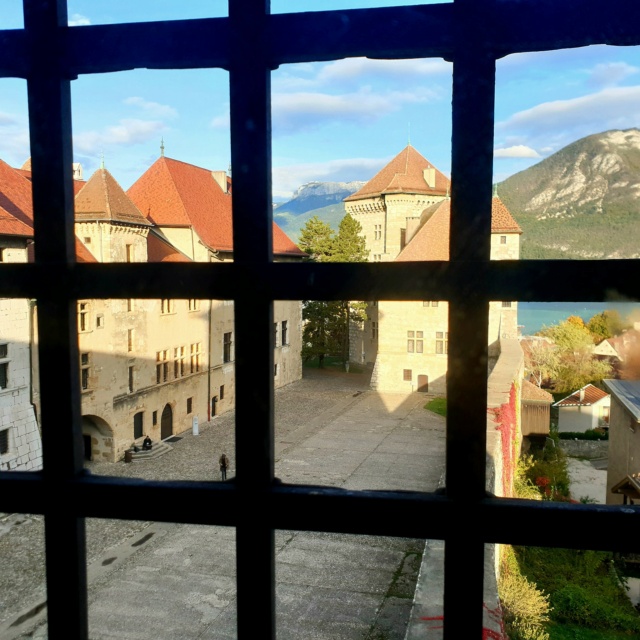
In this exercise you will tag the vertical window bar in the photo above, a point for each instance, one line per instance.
(51, 160)
(250, 113)
(471, 179)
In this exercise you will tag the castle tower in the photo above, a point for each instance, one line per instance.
(389, 206)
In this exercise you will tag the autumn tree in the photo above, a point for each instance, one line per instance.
(326, 330)
(576, 364)
(606, 325)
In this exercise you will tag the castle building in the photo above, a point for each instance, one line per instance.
(404, 211)
(149, 367)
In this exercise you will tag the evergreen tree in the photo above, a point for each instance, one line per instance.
(317, 239)
(326, 330)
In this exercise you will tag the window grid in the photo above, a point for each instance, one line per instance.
(530, 25)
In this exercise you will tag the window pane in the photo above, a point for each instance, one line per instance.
(23, 601)
(565, 124)
(171, 387)
(84, 12)
(373, 597)
(336, 152)
(289, 6)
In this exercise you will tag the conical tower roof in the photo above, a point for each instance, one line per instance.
(408, 172)
(102, 198)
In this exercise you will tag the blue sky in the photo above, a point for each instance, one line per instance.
(331, 121)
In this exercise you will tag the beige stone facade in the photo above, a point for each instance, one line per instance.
(20, 439)
(404, 214)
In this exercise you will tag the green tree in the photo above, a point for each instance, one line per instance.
(317, 239)
(606, 325)
(326, 330)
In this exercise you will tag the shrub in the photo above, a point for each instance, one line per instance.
(525, 608)
(590, 434)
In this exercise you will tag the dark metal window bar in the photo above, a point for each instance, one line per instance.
(249, 44)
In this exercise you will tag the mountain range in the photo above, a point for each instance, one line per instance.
(581, 202)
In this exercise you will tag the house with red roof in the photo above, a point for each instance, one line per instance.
(584, 409)
(147, 367)
(20, 440)
(404, 212)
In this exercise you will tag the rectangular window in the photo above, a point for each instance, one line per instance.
(83, 316)
(275, 370)
(407, 375)
(4, 441)
(162, 366)
(226, 347)
(129, 252)
(442, 342)
(221, 392)
(189, 405)
(84, 370)
(154, 418)
(434, 303)
(130, 338)
(374, 330)
(419, 346)
(4, 375)
(284, 336)
(4, 350)
(275, 334)
(506, 304)
(131, 379)
(194, 304)
(138, 425)
(2, 255)
(131, 305)
(100, 321)
(166, 306)
(503, 239)
(196, 349)
(411, 344)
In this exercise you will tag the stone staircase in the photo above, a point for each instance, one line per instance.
(158, 449)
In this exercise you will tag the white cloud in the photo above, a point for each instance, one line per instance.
(608, 75)
(517, 151)
(302, 111)
(288, 178)
(350, 69)
(124, 134)
(154, 109)
(6, 119)
(78, 20)
(563, 121)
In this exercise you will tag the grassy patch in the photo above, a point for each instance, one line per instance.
(437, 405)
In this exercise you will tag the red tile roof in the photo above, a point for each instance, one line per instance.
(404, 174)
(102, 198)
(172, 193)
(591, 396)
(15, 201)
(160, 250)
(431, 241)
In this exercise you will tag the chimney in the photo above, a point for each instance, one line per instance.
(582, 395)
(430, 177)
(221, 178)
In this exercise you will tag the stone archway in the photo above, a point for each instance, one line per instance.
(166, 422)
(97, 436)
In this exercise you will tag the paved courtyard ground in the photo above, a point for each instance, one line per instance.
(172, 581)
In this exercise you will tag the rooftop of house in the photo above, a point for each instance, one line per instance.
(533, 393)
(159, 249)
(408, 172)
(585, 396)
(102, 199)
(627, 392)
(172, 193)
(431, 240)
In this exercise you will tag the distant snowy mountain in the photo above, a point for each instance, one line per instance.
(317, 195)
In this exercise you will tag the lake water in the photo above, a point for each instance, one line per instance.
(533, 316)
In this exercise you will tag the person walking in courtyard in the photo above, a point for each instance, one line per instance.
(224, 465)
